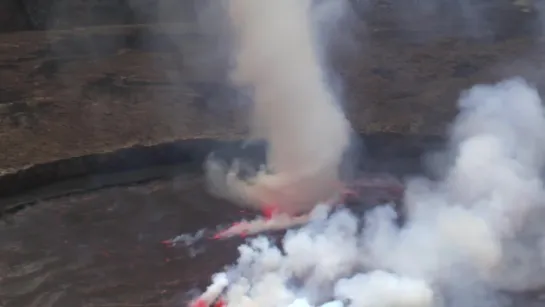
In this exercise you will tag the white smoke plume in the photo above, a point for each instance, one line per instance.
(280, 62)
(468, 237)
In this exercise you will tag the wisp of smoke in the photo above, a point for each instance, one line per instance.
(280, 62)
(468, 236)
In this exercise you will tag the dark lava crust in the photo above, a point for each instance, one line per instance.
(97, 242)
(397, 154)
(102, 246)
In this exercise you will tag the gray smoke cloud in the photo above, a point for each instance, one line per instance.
(280, 62)
(469, 236)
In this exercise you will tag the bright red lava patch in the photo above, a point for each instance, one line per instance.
(199, 303)
(220, 303)
(269, 210)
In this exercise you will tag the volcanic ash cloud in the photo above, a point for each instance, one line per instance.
(279, 61)
(468, 237)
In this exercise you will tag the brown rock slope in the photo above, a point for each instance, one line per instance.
(86, 90)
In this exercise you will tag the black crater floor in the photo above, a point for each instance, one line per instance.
(104, 247)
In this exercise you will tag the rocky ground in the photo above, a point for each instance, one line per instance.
(66, 93)
(104, 248)
(75, 91)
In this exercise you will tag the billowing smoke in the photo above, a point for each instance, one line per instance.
(279, 62)
(468, 237)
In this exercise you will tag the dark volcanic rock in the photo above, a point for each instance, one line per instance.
(103, 247)
(13, 16)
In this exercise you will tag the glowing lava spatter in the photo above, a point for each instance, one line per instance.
(212, 295)
(262, 224)
(269, 210)
(202, 303)
(273, 219)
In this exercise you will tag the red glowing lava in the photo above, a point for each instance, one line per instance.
(269, 210)
(199, 303)
(220, 303)
(366, 189)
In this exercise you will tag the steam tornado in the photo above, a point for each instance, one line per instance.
(294, 111)
(469, 236)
